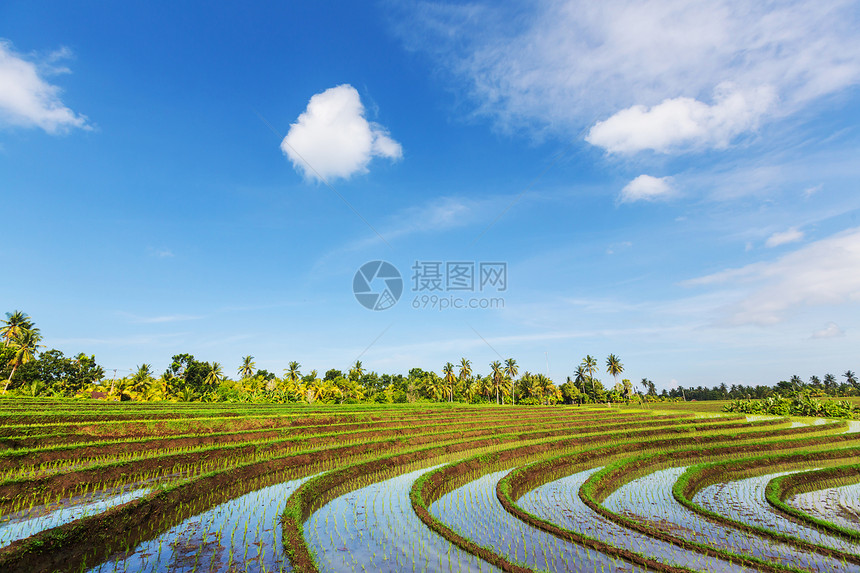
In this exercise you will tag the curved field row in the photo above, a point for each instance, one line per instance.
(381, 488)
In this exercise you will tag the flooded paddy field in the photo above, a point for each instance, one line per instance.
(99, 488)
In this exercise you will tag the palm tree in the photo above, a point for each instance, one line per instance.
(24, 345)
(465, 369)
(357, 370)
(450, 379)
(497, 375)
(511, 371)
(16, 322)
(142, 378)
(246, 370)
(614, 366)
(544, 386)
(580, 376)
(829, 382)
(589, 365)
(215, 375)
(433, 386)
(796, 382)
(292, 373)
(850, 378)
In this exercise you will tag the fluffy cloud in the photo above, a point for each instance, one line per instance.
(646, 188)
(332, 139)
(825, 272)
(790, 236)
(682, 122)
(832, 330)
(27, 100)
(563, 64)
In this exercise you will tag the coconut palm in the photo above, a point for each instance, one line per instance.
(497, 376)
(850, 378)
(511, 371)
(614, 366)
(589, 365)
(141, 379)
(16, 322)
(215, 374)
(545, 387)
(580, 376)
(24, 345)
(292, 373)
(465, 369)
(449, 378)
(434, 386)
(357, 370)
(248, 367)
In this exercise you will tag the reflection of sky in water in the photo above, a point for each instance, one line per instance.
(475, 512)
(838, 505)
(650, 499)
(243, 534)
(559, 502)
(375, 529)
(14, 528)
(744, 500)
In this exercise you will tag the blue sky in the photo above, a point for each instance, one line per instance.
(670, 182)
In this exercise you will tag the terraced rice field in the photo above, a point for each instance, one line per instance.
(108, 487)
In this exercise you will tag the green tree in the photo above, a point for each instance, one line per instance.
(16, 322)
(830, 383)
(293, 374)
(511, 371)
(465, 370)
(497, 376)
(614, 366)
(246, 370)
(450, 379)
(589, 365)
(24, 346)
(142, 379)
(192, 374)
(357, 371)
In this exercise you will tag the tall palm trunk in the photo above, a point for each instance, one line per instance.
(9, 381)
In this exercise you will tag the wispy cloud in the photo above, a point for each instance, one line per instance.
(160, 253)
(159, 319)
(437, 215)
(825, 272)
(563, 64)
(832, 330)
(26, 97)
(790, 236)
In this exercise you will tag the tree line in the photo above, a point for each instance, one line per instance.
(27, 371)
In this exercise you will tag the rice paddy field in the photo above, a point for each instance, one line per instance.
(163, 487)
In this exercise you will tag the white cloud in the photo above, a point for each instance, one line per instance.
(810, 191)
(790, 236)
(682, 122)
(646, 188)
(832, 330)
(27, 100)
(332, 139)
(825, 272)
(563, 64)
(159, 319)
(161, 253)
